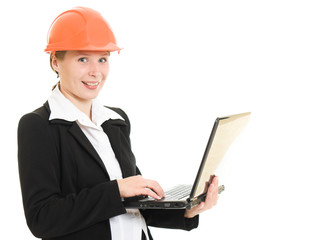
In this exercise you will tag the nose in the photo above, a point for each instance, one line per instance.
(94, 70)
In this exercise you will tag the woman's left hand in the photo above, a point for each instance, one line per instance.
(211, 200)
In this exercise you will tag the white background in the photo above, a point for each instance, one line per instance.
(184, 63)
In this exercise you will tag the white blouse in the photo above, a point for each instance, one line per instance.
(127, 226)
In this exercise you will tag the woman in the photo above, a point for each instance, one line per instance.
(75, 158)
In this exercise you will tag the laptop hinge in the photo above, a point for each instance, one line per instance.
(201, 198)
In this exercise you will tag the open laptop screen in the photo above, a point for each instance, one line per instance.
(224, 131)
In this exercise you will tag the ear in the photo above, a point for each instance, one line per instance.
(55, 64)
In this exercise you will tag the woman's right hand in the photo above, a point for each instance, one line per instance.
(137, 185)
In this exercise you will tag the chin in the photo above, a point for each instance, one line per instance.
(92, 96)
(89, 95)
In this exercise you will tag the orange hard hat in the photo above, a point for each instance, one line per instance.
(80, 28)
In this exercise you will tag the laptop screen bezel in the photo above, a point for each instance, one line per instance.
(204, 159)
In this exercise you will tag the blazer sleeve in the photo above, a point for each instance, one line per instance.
(48, 212)
(173, 219)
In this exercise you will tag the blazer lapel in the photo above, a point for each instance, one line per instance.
(113, 129)
(77, 133)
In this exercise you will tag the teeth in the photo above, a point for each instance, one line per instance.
(91, 84)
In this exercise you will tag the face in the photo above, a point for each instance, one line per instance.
(82, 74)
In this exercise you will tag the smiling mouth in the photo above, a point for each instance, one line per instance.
(91, 84)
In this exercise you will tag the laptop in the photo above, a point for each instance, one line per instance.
(224, 131)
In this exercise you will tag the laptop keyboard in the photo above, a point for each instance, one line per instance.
(178, 192)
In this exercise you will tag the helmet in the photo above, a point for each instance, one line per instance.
(80, 29)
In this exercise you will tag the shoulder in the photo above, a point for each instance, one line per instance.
(126, 122)
(37, 117)
(120, 112)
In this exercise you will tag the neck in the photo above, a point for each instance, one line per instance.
(83, 105)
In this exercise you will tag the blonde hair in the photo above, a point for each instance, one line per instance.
(60, 56)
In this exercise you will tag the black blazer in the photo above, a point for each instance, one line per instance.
(67, 193)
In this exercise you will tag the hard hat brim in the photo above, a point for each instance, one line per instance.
(111, 47)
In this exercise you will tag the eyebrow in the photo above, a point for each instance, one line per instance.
(107, 53)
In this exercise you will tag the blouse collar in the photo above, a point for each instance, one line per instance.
(63, 108)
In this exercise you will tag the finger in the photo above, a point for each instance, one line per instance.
(198, 209)
(151, 193)
(155, 187)
(215, 181)
(201, 205)
(214, 186)
(212, 196)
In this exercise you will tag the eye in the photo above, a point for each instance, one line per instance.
(103, 60)
(83, 60)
